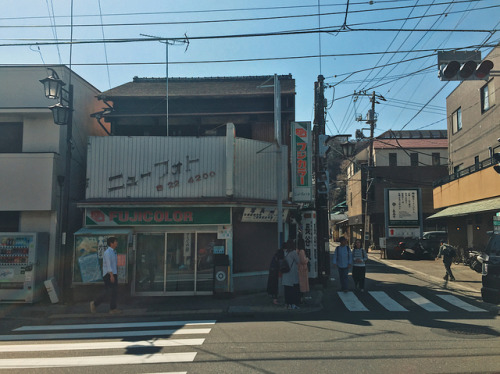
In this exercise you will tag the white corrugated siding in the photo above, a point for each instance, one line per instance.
(255, 170)
(130, 167)
(144, 167)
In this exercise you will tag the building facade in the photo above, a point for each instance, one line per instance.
(192, 195)
(403, 160)
(469, 196)
(33, 160)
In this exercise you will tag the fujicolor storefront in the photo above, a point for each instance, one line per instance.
(162, 250)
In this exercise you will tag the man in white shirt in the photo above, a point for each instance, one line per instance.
(110, 277)
(342, 260)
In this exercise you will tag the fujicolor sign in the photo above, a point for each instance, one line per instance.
(301, 162)
(156, 216)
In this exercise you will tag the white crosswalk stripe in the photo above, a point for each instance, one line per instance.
(153, 348)
(357, 302)
(387, 302)
(422, 301)
(460, 303)
(352, 302)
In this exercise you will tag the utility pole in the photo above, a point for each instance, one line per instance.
(320, 166)
(371, 119)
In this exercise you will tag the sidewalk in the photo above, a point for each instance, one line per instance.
(180, 306)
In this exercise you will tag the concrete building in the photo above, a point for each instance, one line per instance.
(469, 196)
(404, 160)
(193, 195)
(33, 158)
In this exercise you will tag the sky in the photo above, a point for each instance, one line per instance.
(388, 47)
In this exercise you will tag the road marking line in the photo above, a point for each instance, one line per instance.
(102, 334)
(113, 325)
(158, 358)
(100, 345)
(387, 302)
(352, 302)
(460, 303)
(422, 302)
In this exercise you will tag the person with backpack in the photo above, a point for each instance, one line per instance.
(448, 252)
(342, 260)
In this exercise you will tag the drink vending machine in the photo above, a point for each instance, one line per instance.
(23, 266)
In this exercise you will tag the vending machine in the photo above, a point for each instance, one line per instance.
(23, 266)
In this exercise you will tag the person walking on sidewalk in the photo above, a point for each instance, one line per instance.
(342, 260)
(303, 268)
(273, 278)
(359, 259)
(290, 280)
(448, 252)
(110, 277)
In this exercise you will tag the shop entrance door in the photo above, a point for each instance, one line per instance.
(175, 263)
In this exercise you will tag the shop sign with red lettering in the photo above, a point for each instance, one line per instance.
(157, 216)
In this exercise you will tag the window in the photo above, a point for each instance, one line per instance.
(9, 221)
(11, 140)
(414, 159)
(456, 120)
(436, 159)
(485, 98)
(393, 159)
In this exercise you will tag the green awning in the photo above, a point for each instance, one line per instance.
(103, 231)
(487, 205)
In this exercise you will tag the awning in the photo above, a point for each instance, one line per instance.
(102, 231)
(492, 204)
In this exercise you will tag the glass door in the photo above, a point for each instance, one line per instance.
(175, 263)
(181, 259)
(150, 263)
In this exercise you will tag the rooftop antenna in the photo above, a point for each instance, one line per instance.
(169, 41)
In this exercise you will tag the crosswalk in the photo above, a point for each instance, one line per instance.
(404, 301)
(134, 343)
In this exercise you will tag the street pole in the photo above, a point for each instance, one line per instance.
(320, 203)
(279, 171)
(371, 122)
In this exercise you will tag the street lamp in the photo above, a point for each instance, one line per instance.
(63, 116)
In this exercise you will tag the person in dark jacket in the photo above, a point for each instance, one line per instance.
(274, 275)
(448, 253)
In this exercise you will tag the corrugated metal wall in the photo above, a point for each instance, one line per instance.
(156, 167)
(180, 167)
(255, 170)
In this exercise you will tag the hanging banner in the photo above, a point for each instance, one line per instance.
(301, 160)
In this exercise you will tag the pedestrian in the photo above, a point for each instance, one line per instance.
(110, 277)
(303, 268)
(342, 260)
(448, 252)
(290, 279)
(274, 275)
(359, 259)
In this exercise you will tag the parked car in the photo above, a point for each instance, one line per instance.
(490, 291)
(431, 240)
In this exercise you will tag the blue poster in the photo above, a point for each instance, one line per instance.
(90, 268)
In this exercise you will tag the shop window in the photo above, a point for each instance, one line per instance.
(393, 159)
(456, 120)
(11, 140)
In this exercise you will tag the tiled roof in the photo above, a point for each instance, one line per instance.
(410, 143)
(214, 86)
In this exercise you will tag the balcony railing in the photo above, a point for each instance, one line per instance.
(464, 172)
